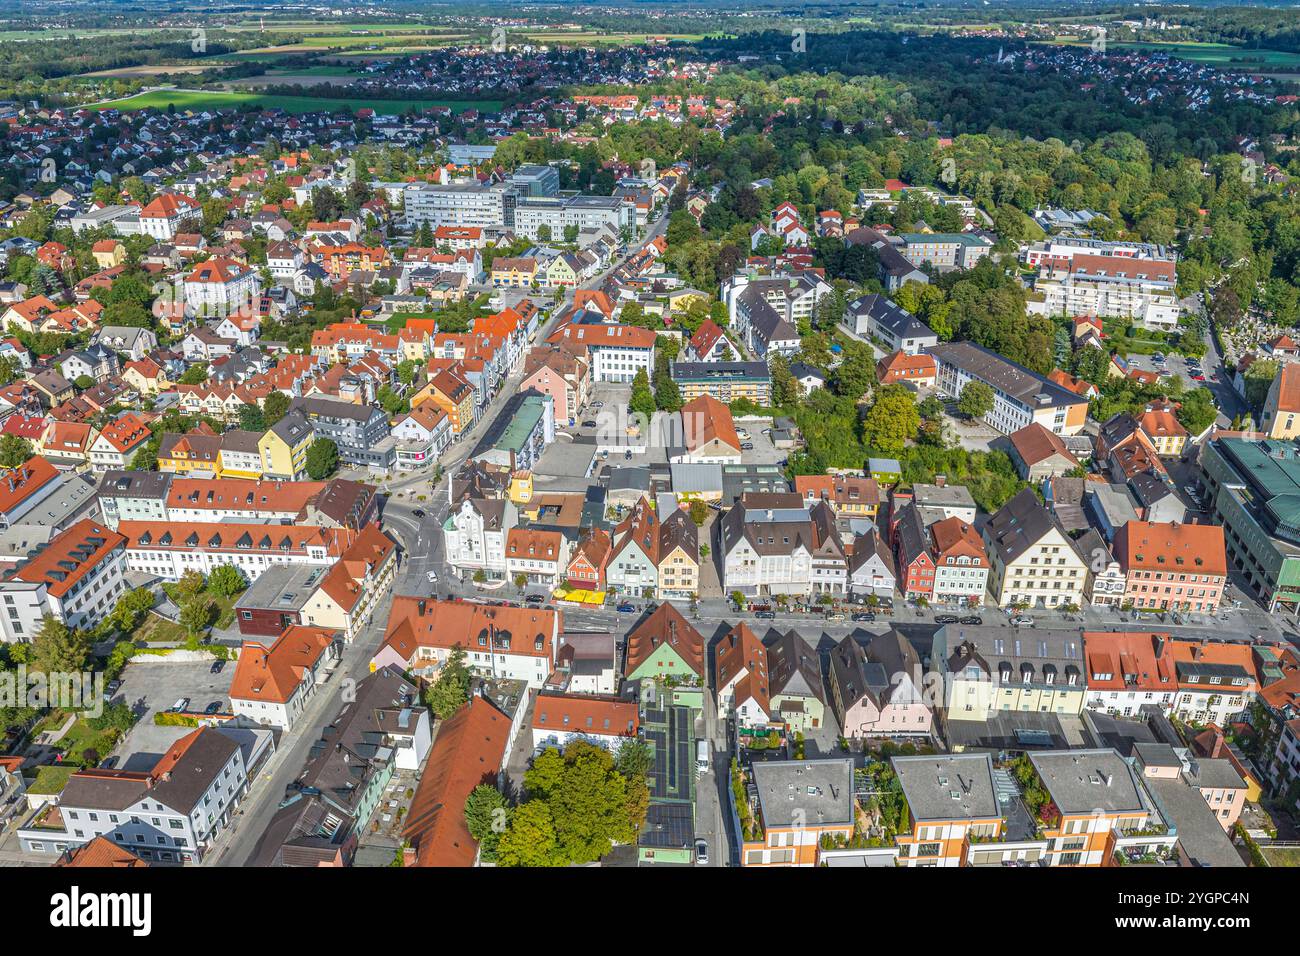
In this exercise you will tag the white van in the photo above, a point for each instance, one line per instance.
(702, 756)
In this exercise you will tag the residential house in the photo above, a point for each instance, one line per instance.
(1033, 561)
(272, 684)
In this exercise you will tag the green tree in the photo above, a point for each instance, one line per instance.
(1196, 412)
(892, 421)
(14, 451)
(530, 838)
(322, 459)
(274, 407)
(130, 609)
(1259, 378)
(196, 374)
(643, 400)
(976, 399)
(487, 815)
(587, 798)
(190, 584)
(197, 614)
(252, 419)
(226, 580)
(450, 691)
(59, 648)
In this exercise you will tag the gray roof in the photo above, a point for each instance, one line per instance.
(189, 779)
(285, 588)
(793, 667)
(719, 371)
(1020, 524)
(1029, 388)
(1081, 781)
(1215, 773)
(888, 314)
(292, 427)
(820, 790)
(942, 496)
(949, 787)
(695, 478)
(1200, 835)
(1038, 652)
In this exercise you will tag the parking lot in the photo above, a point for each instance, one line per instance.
(153, 686)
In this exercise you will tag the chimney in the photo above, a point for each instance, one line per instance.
(940, 481)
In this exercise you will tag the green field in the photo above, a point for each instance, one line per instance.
(203, 100)
(1210, 54)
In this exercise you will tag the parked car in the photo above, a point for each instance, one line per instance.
(217, 667)
(418, 512)
(945, 619)
(213, 708)
(972, 619)
(766, 615)
(180, 705)
(626, 608)
(747, 446)
(433, 577)
(1022, 619)
(701, 853)
(534, 599)
(597, 404)
(589, 423)
(862, 616)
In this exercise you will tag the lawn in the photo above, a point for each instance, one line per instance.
(1281, 855)
(158, 630)
(199, 100)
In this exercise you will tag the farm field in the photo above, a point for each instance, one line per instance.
(1210, 54)
(205, 100)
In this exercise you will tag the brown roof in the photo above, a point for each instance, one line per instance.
(594, 714)
(344, 582)
(1035, 443)
(705, 419)
(101, 852)
(416, 622)
(532, 543)
(955, 537)
(741, 650)
(665, 626)
(1288, 388)
(1159, 421)
(468, 751)
(274, 673)
(221, 494)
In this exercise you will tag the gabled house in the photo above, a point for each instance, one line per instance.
(741, 678)
(878, 690)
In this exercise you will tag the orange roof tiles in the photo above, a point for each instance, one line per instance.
(469, 750)
(19, 484)
(274, 673)
(70, 557)
(1129, 660)
(1171, 547)
(593, 714)
(417, 622)
(665, 626)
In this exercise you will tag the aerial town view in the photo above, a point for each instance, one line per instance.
(676, 435)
